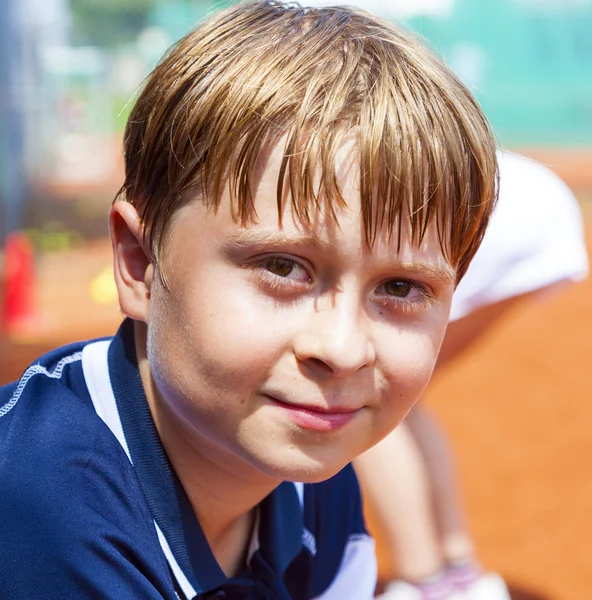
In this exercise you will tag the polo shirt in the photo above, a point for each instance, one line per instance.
(90, 506)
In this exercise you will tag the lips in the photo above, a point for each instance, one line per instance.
(314, 417)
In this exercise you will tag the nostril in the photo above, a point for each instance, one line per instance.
(319, 364)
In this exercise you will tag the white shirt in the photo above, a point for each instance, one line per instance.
(535, 238)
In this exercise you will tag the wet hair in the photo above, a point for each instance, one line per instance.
(263, 72)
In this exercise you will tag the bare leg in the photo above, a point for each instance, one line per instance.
(455, 542)
(395, 480)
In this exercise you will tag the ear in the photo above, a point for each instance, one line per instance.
(133, 267)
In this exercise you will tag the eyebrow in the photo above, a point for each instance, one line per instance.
(444, 273)
(272, 237)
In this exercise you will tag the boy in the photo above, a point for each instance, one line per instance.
(303, 190)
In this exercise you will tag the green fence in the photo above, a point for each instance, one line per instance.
(529, 64)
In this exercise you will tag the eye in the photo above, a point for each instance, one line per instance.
(398, 288)
(404, 295)
(282, 267)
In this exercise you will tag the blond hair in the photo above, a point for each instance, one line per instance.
(262, 71)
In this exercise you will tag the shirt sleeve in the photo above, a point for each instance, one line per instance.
(74, 524)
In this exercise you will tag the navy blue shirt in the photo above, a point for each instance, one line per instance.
(90, 506)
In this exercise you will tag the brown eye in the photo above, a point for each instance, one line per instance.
(282, 267)
(398, 288)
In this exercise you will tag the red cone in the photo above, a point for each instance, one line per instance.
(18, 298)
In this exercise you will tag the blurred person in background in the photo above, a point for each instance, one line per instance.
(534, 244)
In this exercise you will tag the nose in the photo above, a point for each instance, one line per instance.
(336, 340)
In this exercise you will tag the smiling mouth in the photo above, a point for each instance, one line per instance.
(315, 418)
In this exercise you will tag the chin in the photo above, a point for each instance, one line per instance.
(304, 468)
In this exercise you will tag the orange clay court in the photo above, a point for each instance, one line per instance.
(516, 407)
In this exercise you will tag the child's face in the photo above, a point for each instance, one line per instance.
(293, 348)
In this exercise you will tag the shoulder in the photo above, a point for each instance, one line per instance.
(522, 173)
(46, 416)
(531, 190)
(72, 507)
(42, 408)
(56, 452)
(535, 238)
(344, 562)
(42, 381)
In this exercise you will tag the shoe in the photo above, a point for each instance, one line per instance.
(488, 586)
(401, 590)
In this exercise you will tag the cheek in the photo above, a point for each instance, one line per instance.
(408, 366)
(218, 333)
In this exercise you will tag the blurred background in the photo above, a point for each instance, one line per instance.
(69, 72)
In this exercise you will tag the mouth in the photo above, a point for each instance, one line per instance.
(315, 418)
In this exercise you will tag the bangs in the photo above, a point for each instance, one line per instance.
(264, 72)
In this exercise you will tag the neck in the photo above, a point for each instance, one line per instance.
(223, 489)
